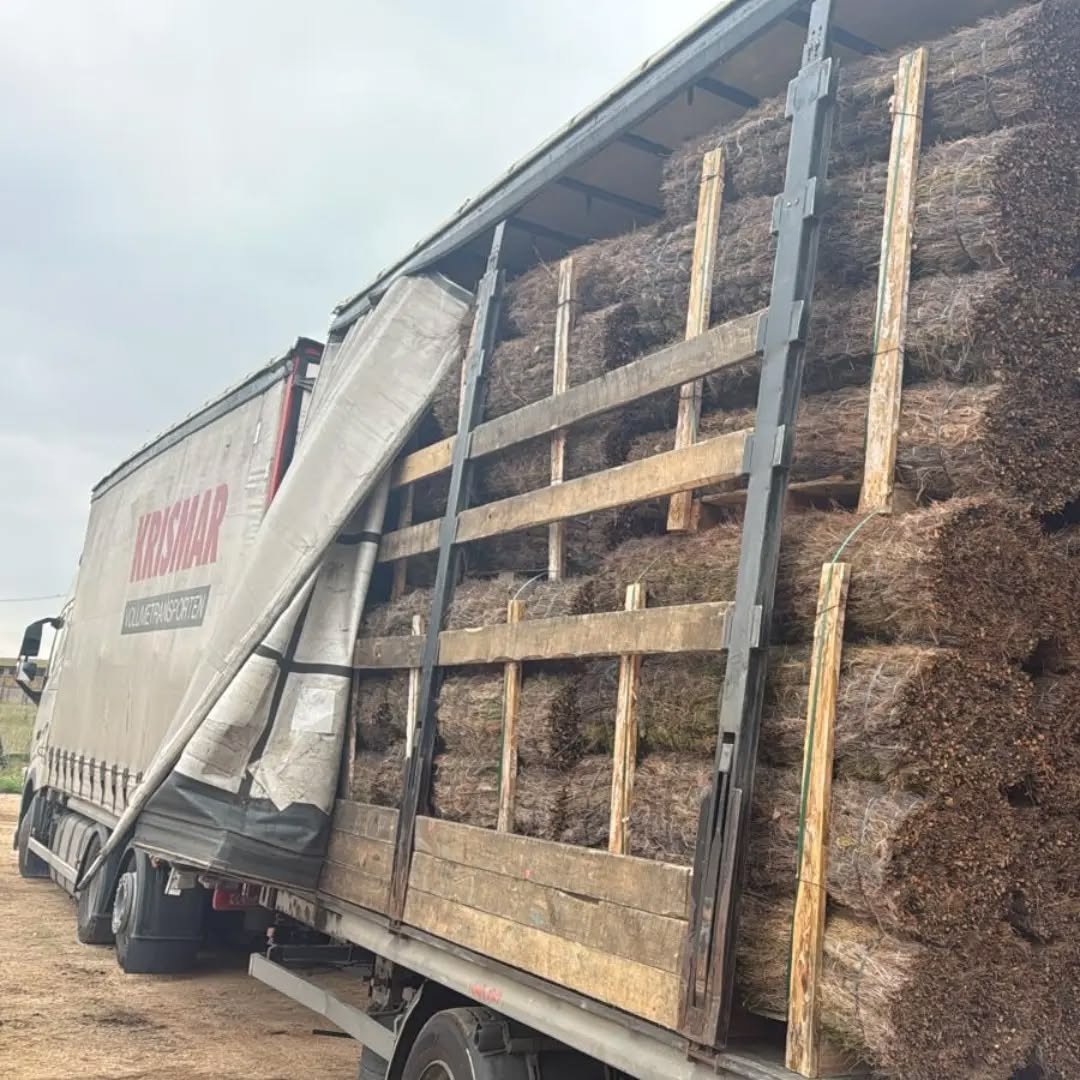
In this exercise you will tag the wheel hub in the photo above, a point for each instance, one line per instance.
(124, 902)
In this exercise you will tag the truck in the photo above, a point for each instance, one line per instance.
(195, 753)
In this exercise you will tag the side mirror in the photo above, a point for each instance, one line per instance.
(31, 642)
(26, 670)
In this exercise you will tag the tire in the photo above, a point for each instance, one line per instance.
(445, 1050)
(30, 865)
(155, 934)
(93, 929)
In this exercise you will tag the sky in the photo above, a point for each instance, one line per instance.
(190, 185)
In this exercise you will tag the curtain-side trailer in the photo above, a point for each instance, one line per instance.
(483, 952)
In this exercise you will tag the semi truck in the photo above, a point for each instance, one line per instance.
(193, 752)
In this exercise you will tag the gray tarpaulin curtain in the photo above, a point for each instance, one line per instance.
(245, 782)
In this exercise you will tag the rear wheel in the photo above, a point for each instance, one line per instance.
(93, 912)
(155, 933)
(30, 865)
(446, 1049)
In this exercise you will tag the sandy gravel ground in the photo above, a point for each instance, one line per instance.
(67, 1010)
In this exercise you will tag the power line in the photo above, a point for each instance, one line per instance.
(30, 599)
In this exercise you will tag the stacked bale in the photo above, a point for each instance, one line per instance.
(953, 886)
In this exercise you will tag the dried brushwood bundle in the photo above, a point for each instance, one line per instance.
(929, 720)
(482, 602)
(521, 369)
(468, 792)
(469, 717)
(883, 998)
(967, 572)
(933, 868)
(1002, 72)
(379, 775)
(954, 441)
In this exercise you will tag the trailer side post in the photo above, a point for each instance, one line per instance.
(418, 772)
(720, 853)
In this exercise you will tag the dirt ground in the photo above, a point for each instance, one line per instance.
(67, 1010)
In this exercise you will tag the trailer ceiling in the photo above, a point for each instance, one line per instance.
(600, 174)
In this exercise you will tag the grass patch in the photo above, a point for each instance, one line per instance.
(16, 726)
(11, 775)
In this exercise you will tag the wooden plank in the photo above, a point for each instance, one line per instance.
(704, 463)
(412, 706)
(681, 628)
(354, 886)
(726, 345)
(365, 819)
(564, 324)
(508, 766)
(710, 200)
(653, 940)
(373, 857)
(626, 737)
(804, 1042)
(658, 887)
(623, 983)
(886, 387)
(405, 516)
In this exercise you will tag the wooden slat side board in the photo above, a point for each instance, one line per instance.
(560, 381)
(364, 819)
(708, 462)
(886, 387)
(723, 346)
(355, 887)
(373, 857)
(706, 238)
(681, 628)
(653, 940)
(804, 1036)
(625, 984)
(611, 927)
(656, 887)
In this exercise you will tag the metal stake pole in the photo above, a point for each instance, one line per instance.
(725, 814)
(418, 767)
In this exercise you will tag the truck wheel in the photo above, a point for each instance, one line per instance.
(93, 929)
(30, 865)
(446, 1049)
(155, 933)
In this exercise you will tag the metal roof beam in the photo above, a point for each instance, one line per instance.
(646, 146)
(840, 35)
(728, 93)
(591, 191)
(710, 44)
(545, 232)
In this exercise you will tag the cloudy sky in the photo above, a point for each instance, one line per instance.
(189, 185)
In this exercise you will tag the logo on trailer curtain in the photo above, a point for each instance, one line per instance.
(177, 537)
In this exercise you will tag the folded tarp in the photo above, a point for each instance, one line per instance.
(245, 782)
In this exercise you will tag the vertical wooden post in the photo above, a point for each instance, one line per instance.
(564, 325)
(405, 516)
(804, 1042)
(894, 276)
(626, 737)
(515, 611)
(412, 709)
(710, 200)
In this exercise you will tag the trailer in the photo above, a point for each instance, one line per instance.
(491, 949)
